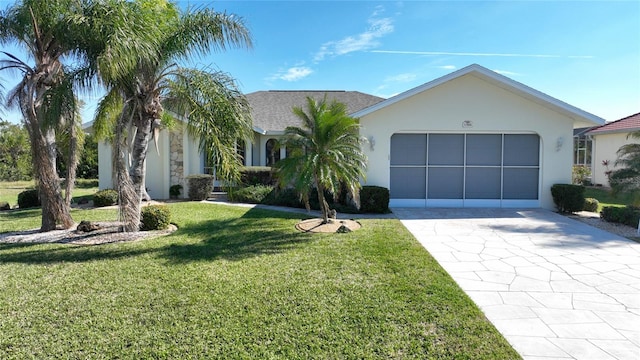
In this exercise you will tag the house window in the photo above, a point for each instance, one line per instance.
(272, 151)
(582, 146)
(240, 149)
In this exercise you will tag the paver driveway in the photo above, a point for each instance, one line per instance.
(556, 288)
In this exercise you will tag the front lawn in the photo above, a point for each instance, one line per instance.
(236, 283)
(605, 198)
(9, 190)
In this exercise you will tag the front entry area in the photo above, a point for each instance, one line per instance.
(465, 170)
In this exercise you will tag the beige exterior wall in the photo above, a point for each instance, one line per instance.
(105, 166)
(605, 147)
(489, 109)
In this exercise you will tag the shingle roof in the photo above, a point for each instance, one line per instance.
(627, 124)
(272, 110)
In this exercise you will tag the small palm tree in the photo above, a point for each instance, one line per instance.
(324, 153)
(627, 179)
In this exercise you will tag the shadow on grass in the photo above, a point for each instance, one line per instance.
(257, 232)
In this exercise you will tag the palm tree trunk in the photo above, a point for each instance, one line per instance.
(128, 201)
(323, 209)
(54, 209)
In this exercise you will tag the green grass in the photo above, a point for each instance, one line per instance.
(9, 190)
(605, 198)
(236, 283)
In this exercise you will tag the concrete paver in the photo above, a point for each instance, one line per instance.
(556, 288)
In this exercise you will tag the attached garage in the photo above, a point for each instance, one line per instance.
(465, 170)
(472, 138)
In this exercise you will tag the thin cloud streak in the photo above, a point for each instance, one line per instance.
(363, 41)
(436, 53)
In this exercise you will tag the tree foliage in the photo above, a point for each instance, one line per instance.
(134, 108)
(627, 178)
(324, 153)
(15, 153)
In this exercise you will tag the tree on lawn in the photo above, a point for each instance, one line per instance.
(324, 153)
(46, 30)
(627, 178)
(134, 107)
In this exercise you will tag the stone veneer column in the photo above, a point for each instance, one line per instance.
(176, 164)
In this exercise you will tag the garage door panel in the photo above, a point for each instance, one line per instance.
(482, 183)
(408, 149)
(521, 184)
(446, 149)
(484, 149)
(408, 183)
(521, 150)
(445, 183)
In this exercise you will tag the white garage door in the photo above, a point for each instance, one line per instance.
(465, 170)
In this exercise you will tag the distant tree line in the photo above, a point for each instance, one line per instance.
(15, 155)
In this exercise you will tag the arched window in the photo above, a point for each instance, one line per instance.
(272, 151)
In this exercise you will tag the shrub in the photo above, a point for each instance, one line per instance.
(581, 175)
(567, 197)
(200, 186)
(283, 197)
(174, 190)
(255, 194)
(257, 175)
(106, 197)
(591, 204)
(628, 215)
(374, 199)
(155, 217)
(4, 206)
(28, 199)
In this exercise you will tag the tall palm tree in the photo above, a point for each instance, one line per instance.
(209, 101)
(44, 94)
(324, 153)
(627, 179)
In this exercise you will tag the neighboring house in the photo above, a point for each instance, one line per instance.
(470, 138)
(607, 139)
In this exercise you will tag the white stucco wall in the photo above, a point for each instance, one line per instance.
(105, 166)
(490, 109)
(605, 147)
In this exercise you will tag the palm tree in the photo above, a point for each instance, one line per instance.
(627, 179)
(44, 95)
(134, 107)
(325, 153)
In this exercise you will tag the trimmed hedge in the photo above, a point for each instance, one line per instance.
(254, 194)
(106, 197)
(154, 217)
(591, 204)
(374, 199)
(283, 197)
(628, 215)
(200, 186)
(257, 175)
(568, 198)
(28, 199)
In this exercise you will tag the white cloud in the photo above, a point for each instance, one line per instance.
(378, 27)
(293, 74)
(406, 77)
(447, 67)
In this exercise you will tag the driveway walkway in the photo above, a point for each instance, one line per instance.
(556, 288)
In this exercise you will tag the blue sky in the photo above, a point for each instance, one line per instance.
(586, 53)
